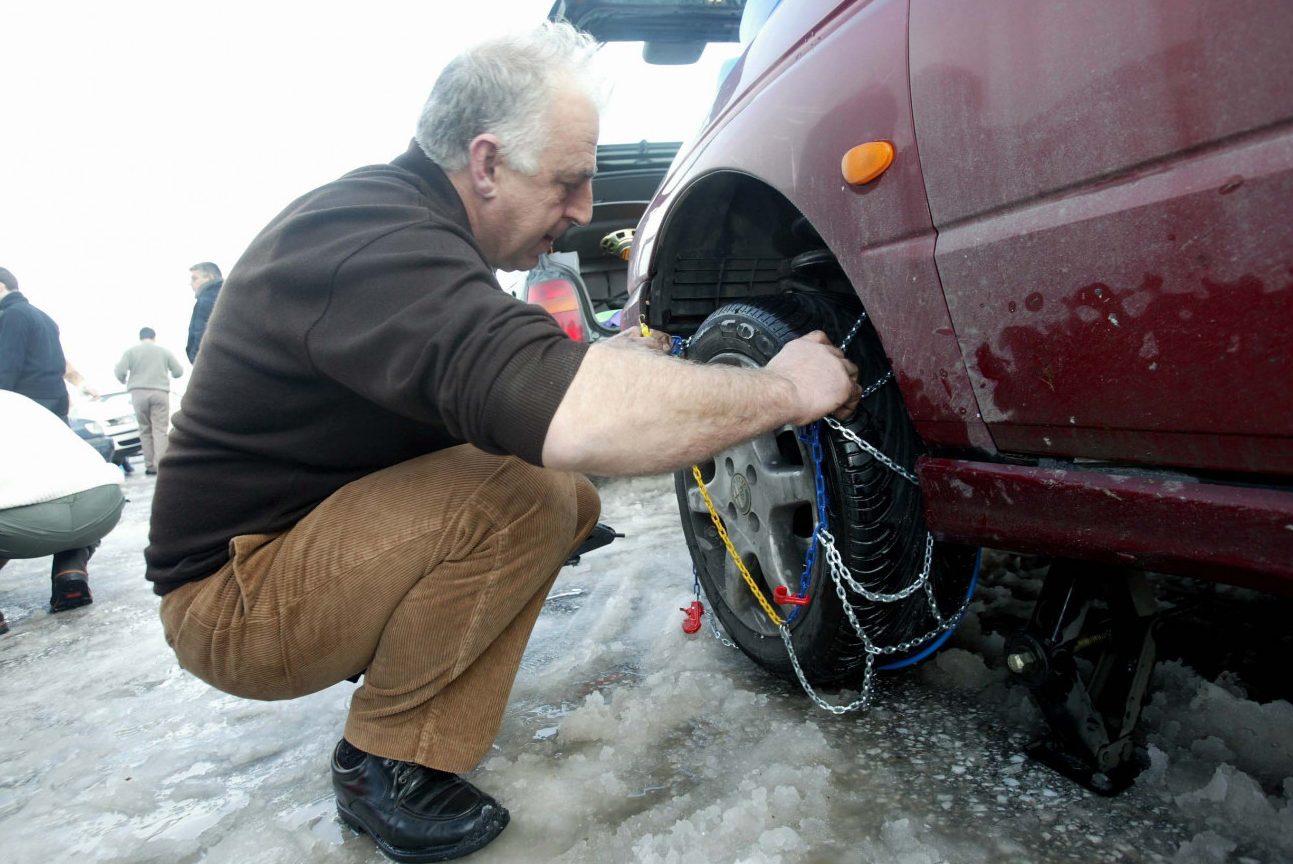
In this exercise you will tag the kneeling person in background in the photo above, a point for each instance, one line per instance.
(59, 499)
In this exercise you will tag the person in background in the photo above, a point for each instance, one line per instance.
(60, 498)
(205, 280)
(31, 355)
(77, 380)
(143, 368)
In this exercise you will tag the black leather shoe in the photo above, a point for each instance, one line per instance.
(414, 813)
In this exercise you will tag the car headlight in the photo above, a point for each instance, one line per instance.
(93, 428)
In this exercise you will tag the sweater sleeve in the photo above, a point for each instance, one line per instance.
(174, 365)
(122, 366)
(417, 323)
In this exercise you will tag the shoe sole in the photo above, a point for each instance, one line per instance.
(72, 594)
(419, 856)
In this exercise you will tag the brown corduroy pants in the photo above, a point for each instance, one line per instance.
(428, 574)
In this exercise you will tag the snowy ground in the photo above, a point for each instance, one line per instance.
(628, 741)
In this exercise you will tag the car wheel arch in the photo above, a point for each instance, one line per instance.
(727, 214)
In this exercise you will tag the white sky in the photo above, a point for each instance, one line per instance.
(139, 138)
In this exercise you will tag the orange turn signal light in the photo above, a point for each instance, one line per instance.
(865, 162)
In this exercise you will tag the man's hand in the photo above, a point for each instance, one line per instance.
(658, 342)
(823, 380)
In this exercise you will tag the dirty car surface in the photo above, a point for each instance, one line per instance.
(1077, 265)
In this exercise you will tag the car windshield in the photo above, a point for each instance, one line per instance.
(650, 102)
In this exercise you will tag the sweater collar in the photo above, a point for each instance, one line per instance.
(13, 298)
(434, 182)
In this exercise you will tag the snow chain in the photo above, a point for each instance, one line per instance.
(810, 436)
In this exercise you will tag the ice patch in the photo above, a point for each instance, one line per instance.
(956, 667)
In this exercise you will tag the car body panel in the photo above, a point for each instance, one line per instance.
(1171, 523)
(1110, 189)
(881, 233)
(780, 40)
(1127, 246)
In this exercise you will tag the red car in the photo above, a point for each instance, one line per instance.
(1067, 232)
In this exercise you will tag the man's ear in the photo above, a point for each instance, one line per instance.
(482, 165)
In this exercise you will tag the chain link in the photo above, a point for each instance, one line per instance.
(848, 340)
(731, 550)
(862, 701)
(875, 453)
(884, 379)
(839, 572)
(718, 634)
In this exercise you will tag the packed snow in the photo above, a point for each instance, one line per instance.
(627, 740)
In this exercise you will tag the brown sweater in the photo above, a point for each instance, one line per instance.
(362, 328)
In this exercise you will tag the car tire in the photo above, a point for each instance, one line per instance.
(874, 514)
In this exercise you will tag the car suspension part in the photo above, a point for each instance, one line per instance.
(1086, 657)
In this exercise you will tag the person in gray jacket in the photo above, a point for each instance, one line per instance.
(143, 370)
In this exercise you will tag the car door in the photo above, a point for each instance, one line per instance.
(1112, 186)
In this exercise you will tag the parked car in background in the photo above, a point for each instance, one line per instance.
(581, 281)
(1062, 235)
(115, 415)
(93, 435)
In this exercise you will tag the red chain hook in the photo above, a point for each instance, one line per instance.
(781, 595)
(691, 624)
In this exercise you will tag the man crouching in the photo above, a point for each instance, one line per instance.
(374, 466)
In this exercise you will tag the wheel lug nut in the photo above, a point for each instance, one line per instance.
(1019, 662)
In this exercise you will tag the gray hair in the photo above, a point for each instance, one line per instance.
(504, 86)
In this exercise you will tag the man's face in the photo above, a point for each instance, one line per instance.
(197, 279)
(533, 211)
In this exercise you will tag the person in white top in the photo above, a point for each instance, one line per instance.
(57, 497)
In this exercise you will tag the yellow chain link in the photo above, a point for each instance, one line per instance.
(722, 531)
(731, 550)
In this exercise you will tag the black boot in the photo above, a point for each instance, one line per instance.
(413, 813)
(70, 583)
(70, 589)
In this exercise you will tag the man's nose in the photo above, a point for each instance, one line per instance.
(579, 207)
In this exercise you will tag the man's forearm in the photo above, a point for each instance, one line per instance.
(629, 411)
